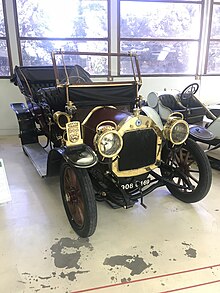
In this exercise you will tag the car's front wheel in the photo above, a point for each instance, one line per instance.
(189, 168)
(78, 199)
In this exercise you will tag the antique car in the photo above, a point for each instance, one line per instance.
(203, 120)
(169, 101)
(101, 139)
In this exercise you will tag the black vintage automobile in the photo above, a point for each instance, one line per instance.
(105, 144)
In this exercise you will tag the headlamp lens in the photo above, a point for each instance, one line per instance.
(110, 144)
(179, 133)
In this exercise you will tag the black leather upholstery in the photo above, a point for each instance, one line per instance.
(195, 110)
(54, 97)
(170, 102)
(192, 110)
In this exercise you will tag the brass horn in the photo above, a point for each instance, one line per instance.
(61, 118)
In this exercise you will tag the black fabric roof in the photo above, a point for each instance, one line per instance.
(39, 83)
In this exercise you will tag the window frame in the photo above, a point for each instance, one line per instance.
(6, 39)
(114, 41)
(146, 39)
(210, 39)
(21, 38)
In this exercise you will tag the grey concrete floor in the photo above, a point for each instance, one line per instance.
(169, 247)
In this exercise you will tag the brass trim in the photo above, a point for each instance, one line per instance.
(174, 119)
(106, 123)
(93, 111)
(132, 125)
(96, 84)
(73, 134)
(56, 117)
(98, 138)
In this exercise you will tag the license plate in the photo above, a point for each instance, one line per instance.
(136, 184)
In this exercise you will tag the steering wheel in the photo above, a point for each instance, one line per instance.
(190, 89)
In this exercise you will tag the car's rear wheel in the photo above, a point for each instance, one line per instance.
(188, 167)
(78, 199)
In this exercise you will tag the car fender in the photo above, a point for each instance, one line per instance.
(80, 156)
(150, 112)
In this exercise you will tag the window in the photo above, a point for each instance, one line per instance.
(214, 45)
(171, 37)
(45, 26)
(165, 34)
(5, 63)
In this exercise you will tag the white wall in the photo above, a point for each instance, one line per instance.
(8, 94)
(210, 90)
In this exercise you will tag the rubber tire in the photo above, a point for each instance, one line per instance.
(205, 174)
(87, 196)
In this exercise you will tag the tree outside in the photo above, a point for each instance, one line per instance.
(73, 20)
(177, 22)
(214, 46)
(164, 34)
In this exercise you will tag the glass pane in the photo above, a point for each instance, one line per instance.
(164, 57)
(164, 20)
(215, 32)
(2, 24)
(214, 58)
(62, 19)
(39, 52)
(92, 64)
(4, 62)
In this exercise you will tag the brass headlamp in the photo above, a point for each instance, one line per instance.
(107, 140)
(61, 118)
(176, 130)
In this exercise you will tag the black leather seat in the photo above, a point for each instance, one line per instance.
(54, 97)
(167, 104)
(195, 111)
(191, 109)
(169, 101)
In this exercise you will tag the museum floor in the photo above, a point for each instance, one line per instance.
(169, 247)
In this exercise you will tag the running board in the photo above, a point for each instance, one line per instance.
(38, 157)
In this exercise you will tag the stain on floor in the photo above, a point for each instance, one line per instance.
(70, 258)
(135, 264)
(66, 252)
(190, 251)
(154, 252)
(72, 275)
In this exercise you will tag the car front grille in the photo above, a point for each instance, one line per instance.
(139, 149)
